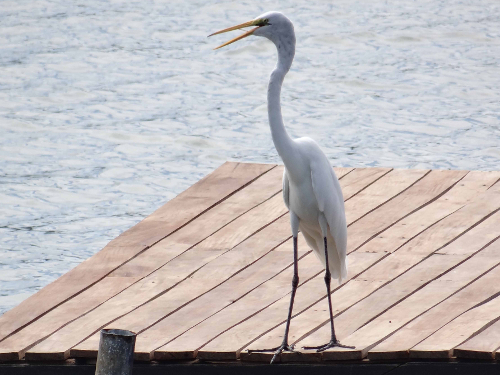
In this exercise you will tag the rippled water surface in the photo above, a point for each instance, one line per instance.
(110, 108)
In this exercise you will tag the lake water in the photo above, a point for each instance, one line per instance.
(110, 108)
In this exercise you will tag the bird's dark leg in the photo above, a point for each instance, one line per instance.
(333, 341)
(295, 283)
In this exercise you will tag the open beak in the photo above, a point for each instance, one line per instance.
(237, 27)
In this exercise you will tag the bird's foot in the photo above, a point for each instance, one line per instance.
(332, 344)
(277, 351)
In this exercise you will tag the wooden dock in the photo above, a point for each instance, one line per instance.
(208, 275)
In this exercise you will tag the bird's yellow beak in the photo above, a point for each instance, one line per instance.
(257, 23)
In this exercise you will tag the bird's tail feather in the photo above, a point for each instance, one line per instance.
(338, 267)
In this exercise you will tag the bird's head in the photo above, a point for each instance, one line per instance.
(274, 26)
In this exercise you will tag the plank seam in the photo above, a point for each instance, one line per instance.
(236, 300)
(212, 206)
(390, 199)
(493, 184)
(472, 227)
(436, 304)
(165, 291)
(299, 312)
(389, 281)
(352, 170)
(480, 330)
(415, 210)
(424, 259)
(483, 302)
(371, 183)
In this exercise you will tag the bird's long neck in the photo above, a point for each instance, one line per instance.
(282, 141)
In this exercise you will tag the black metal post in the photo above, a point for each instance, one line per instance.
(116, 352)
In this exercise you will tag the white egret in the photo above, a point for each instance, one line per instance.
(311, 190)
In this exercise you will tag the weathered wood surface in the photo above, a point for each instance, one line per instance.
(208, 275)
(483, 345)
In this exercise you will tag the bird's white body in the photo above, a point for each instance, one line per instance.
(314, 194)
(310, 188)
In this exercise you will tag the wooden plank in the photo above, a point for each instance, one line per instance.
(229, 178)
(199, 309)
(436, 303)
(281, 281)
(136, 322)
(382, 190)
(353, 310)
(222, 347)
(231, 234)
(14, 346)
(376, 188)
(230, 343)
(341, 172)
(465, 191)
(390, 267)
(265, 187)
(398, 345)
(227, 243)
(441, 343)
(186, 345)
(482, 346)
(209, 303)
(361, 177)
(421, 193)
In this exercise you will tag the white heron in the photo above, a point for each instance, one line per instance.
(311, 190)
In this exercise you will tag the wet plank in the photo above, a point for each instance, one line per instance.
(206, 193)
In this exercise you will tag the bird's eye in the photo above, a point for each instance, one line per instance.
(263, 22)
